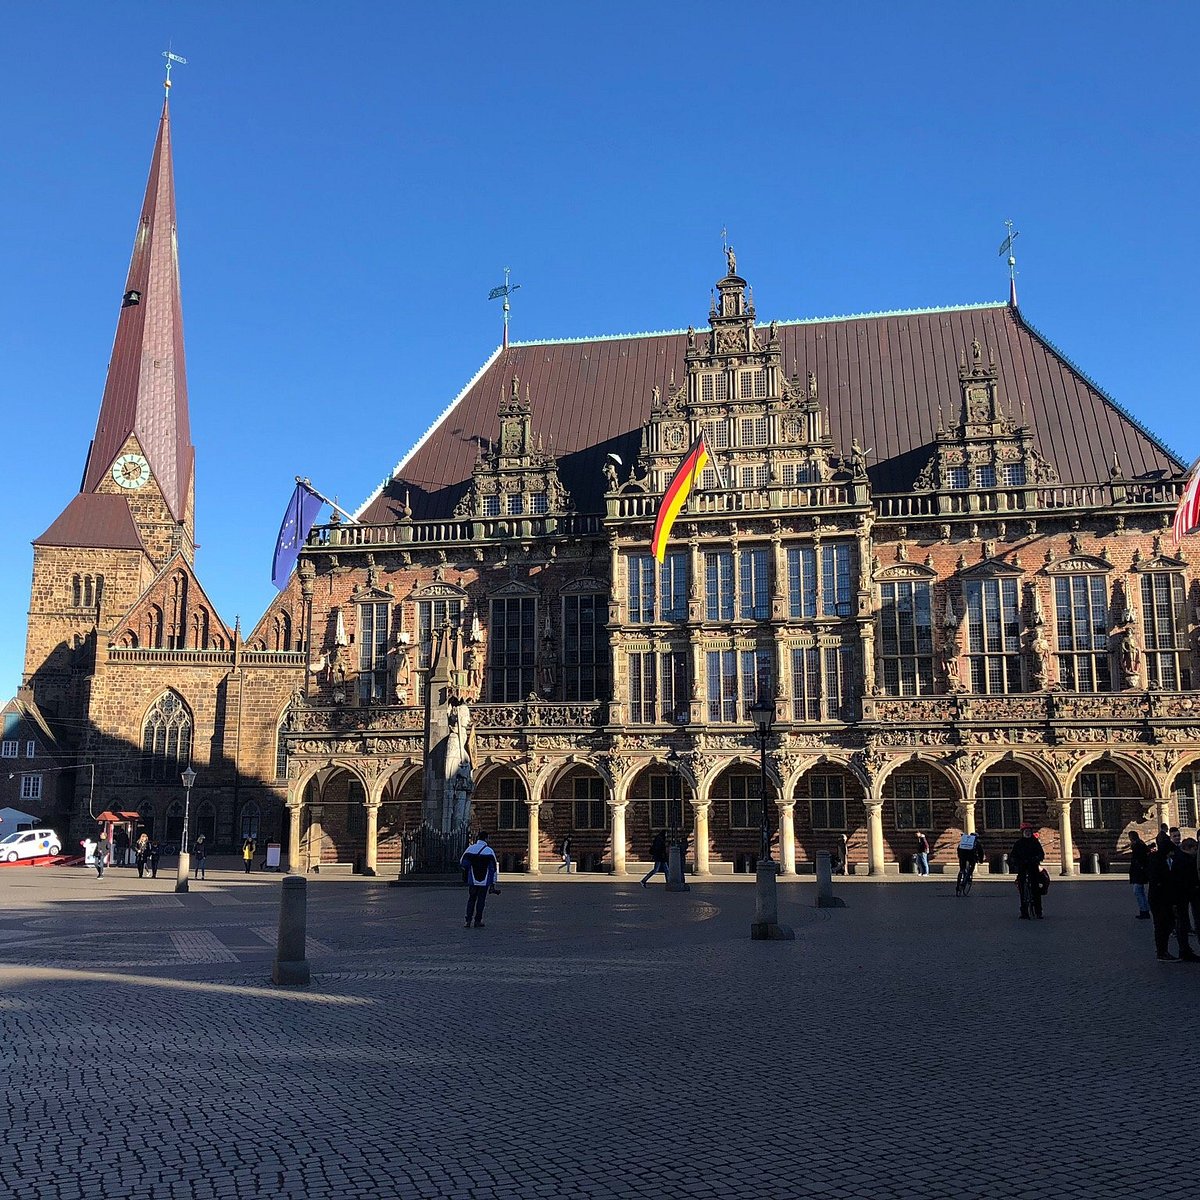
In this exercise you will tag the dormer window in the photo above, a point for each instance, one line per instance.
(539, 503)
(1013, 475)
(958, 478)
(516, 504)
(714, 388)
(985, 477)
(491, 506)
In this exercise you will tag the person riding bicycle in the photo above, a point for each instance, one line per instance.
(970, 852)
(1026, 859)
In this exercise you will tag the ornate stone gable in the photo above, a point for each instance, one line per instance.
(515, 476)
(984, 449)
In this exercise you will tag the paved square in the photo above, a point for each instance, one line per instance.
(592, 1041)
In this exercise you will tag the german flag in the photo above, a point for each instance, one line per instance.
(677, 493)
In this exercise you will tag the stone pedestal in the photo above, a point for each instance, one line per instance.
(293, 865)
(675, 879)
(766, 927)
(825, 896)
(181, 877)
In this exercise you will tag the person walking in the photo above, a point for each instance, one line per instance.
(482, 874)
(155, 855)
(199, 854)
(1162, 902)
(565, 865)
(1182, 868)
(141, 852)
(1026, 859)
(844, 860)
(1139, 873)
(103, 849)
(658, 856)
(922, 855)
(248, 854)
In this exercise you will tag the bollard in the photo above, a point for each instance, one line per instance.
(181, 873)
(1096, 864)
(825, 896)
(766, 927)
(291, 965)
(675, 879)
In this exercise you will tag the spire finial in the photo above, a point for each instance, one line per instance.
(1006, 247)
(503, 292)
(171, 60)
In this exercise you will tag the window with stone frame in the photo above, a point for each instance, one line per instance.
(641, 588)
(513, 811)
(585, 647)
(1001, 795)
(752, 431)
(643, 687)
(673, 588)
(827, 799)
(837, 579)
(588, 807)
(281, 756)
(666, 801)
(756, 679)
(657, 591)
(673, 691)
(491, 506)
(1183, 792)
(166, 738)
(985, 477)
(913, 802)
(824, 683)
(1099, 806)
(718, 585)
(249, 822)
(958, 478)
(745, 801)
(373, 629)
(512, 648)
(432, 616)
(754, 580)
(11, 748)
(31, 787)
(1164, 627)
(714, 388)
(906, 637)
(756, 476)
(356, 812)
(993, 634)
(1012, 475)
(1081, 616)
(802, 582)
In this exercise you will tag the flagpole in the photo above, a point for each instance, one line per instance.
(336, 507)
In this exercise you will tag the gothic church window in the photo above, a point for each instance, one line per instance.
(1164, 627)
(153, 625)
(512, 653)
(249, 822)
(993, 635)
(281, 631)
(906, 637)
(1081, 613)
(166, 738)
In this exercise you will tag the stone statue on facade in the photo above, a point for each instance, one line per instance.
(610, 475)
(457, 768)
(1131, 657)
(731, 260)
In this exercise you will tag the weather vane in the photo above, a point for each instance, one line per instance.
(171, 60)
(1006, 247)
(505, 290)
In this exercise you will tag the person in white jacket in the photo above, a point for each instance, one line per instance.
(482, 875)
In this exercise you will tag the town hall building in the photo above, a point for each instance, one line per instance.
(934, 546)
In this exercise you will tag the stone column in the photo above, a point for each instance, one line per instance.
(618, 836)
(966, 809)
(1163, 808)
(874, 837)
(1065, 845)
(787, 837)
(535, 866)
(371, 863)
(293, 863)
(700, 813)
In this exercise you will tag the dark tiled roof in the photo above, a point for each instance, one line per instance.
(94, 519)
(146, 389)
(882, 379)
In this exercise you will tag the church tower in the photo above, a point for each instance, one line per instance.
(134, 511)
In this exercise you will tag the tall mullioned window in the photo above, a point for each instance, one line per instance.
(1100, 807)
(912, 797)
(718, 585)
(802, 582)
(512, 650)
(1001, 801)
(828, 800)
(372, 650)
(673, 588)
(588, 807)
(837, 580)
(166, 738)
(754, 587)
(1167, 665)
(666, 802)
(906, 637)
(993, 634)
(745, 801)
(643, 687)
(641, 588)
(513, 812)
(432, 617)
(823, 683)
(1081, 613)
(1184, 794)
(585, 647)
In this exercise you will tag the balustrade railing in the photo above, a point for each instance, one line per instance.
(202, 658)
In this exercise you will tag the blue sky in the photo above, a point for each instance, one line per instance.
(352, 181)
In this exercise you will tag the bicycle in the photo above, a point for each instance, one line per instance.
(966, 877)
(1031, 894)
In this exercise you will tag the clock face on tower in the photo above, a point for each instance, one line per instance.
(131, 471)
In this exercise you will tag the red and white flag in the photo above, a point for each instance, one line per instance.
(1187, 515)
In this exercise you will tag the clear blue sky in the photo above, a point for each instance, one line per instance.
(353, 178)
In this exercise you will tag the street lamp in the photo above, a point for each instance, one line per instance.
(765, 926)
(763, 715)
(181, 878)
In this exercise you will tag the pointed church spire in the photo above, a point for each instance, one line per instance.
(145, 394)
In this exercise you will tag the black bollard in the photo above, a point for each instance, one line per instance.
(291, 963)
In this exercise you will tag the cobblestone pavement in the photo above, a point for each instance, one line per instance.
(589, 1042)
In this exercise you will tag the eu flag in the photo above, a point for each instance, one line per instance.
(301, 513)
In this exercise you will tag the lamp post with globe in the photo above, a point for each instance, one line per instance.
(765, 926)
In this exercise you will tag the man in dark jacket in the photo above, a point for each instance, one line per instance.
(1183, 888)
(1026, 859)
(1139, 873)
(1162, 902)
(482, 874)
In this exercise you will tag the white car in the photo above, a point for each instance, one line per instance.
(31, 843)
